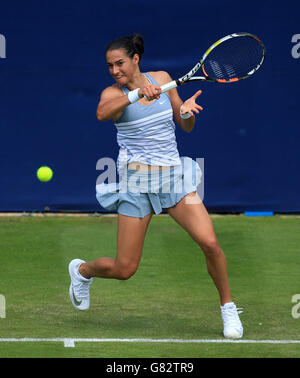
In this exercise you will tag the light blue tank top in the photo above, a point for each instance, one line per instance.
(146, 133)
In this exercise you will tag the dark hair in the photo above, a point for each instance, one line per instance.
(132, 45)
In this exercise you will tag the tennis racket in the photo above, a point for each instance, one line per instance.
(232, 58)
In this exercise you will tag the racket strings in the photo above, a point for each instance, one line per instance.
(233, 59)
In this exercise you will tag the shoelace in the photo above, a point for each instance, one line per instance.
(81, 289)
(230, 316)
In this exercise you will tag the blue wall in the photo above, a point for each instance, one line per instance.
(55, 69)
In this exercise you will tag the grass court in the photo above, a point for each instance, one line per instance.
(170, 297)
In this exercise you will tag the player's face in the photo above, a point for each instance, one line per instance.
(121, 66)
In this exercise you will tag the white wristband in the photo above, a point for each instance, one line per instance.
(133, 96)
(184, 116)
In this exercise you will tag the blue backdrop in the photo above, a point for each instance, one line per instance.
(54, 71)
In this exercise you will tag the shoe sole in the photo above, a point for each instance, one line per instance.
(234, 336)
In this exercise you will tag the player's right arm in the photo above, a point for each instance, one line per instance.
(112, 104)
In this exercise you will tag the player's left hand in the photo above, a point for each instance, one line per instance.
(190, 106)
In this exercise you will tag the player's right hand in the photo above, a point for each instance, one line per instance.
(150, 92)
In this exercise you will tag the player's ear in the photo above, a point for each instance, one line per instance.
(136, 58)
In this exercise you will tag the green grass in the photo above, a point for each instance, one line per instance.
(170, 296)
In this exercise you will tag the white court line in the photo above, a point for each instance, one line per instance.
(70, 342)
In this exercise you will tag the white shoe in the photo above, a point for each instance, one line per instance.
(233, 328)
(79, 290)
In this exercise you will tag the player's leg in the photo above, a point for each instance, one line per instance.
(193, 217)
(130, 241)
(191, 214)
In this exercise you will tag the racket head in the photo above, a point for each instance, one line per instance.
(233, 58)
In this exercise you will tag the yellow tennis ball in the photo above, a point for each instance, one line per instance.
(44, 174)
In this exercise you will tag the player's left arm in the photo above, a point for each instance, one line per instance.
(189, 106)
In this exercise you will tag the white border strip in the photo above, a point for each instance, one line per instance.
(70, 342)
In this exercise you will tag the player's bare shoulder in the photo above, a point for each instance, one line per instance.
(111, 92)
(162, 77)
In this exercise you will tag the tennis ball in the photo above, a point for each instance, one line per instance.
(44, 174)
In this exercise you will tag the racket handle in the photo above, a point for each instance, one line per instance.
(167, 87)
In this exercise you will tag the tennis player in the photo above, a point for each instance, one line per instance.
(148, 151)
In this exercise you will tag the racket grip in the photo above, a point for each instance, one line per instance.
(167, 87)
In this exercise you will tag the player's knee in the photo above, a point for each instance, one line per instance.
(211, 247)
(125, 272)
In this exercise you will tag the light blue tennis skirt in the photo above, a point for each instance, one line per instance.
(140, 193)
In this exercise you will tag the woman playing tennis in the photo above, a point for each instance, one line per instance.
(148, 150)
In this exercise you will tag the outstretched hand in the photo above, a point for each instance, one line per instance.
(190, 106)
